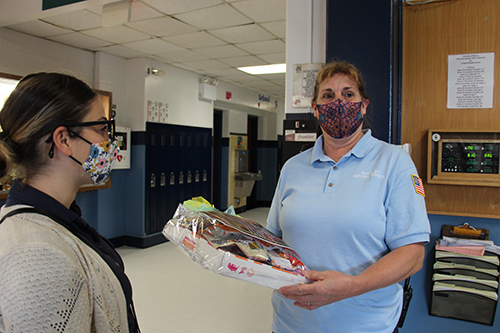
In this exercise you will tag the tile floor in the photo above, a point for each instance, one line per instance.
(172, 294)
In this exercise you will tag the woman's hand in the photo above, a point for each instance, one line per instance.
(332, 286)
(326, 287)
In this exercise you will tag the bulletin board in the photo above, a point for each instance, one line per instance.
(432, 32)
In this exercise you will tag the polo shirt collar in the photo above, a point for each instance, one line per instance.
(360, 149)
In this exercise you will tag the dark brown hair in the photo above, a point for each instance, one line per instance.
(38, 105)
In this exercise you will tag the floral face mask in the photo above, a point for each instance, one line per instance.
(101, 160)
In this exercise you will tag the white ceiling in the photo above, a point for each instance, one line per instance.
(209, 37)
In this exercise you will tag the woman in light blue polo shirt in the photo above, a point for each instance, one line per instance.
(353, 208)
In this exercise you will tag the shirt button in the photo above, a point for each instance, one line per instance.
(335, 168)
(330, 185)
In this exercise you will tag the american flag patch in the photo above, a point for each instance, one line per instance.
(419, 186)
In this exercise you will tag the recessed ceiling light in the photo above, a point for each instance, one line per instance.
(265, 69)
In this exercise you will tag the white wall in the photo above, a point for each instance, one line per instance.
(110, 74)
(244, 102)
(306, 22)
(22, 54)
(135, 114)
(179, 88)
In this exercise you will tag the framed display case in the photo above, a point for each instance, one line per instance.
(462, 157)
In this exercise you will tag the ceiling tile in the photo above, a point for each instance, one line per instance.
(171, 7)
(224, 72)
(277, 28)
(262, 83)
(79, 40)
(265, 47)
(242, 34)
(183, 56)
(220, 16)
(77, 20)
(183, 66)
(161, 27)
(273, 77)
(122, 51)
(141, 11)
(117, 34)
(154, 46)
(243, 61)
(206, 64)
(220, 52)
(195, 40)
(39, 28)
(244, 78)
(274, 58)
(263, 10)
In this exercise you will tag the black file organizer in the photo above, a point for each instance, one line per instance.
(460, 304)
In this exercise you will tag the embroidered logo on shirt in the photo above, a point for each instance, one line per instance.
(370, 174)
(419, 186)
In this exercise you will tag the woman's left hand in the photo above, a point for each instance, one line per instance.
(326, 287)
(333, 286)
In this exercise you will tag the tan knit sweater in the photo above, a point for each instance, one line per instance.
(50, 281)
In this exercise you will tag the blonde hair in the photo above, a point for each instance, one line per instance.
(39, 104)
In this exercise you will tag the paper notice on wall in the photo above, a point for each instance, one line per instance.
(304, 79)
(293, 135)
(470, 81)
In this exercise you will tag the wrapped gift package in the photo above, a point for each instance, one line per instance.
(235, 247)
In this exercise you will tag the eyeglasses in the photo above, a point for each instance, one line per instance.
(109, 126)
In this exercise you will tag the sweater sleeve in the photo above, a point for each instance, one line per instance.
(43, 290)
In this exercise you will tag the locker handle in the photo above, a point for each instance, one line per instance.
(152, 180)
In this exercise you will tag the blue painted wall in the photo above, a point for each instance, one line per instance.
(225, 176)
(116, 211)
(119, 210)
(418, 319)
(361, 32)
(267, 161)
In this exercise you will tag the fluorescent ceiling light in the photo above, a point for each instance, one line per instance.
(265, 69)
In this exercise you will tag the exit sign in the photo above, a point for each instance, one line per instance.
(49, 4)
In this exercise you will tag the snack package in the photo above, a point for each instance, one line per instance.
(234, 246)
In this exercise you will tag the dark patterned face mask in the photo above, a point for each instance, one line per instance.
(340, 119)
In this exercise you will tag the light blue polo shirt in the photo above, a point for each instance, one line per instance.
(344, 216)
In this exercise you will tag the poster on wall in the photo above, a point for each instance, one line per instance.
(304, 79)
(470, 81)
(157, 112)
(152, 111)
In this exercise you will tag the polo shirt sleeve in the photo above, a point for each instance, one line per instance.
(407, 220)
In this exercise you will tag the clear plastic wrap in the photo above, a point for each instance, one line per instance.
(236, 247)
